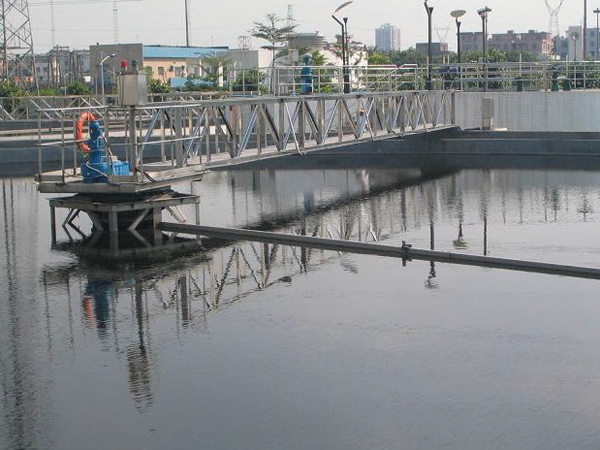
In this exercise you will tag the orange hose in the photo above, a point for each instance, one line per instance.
(84, 117)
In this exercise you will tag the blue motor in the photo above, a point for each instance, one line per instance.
(96, 167)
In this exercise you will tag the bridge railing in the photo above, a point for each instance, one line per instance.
(162, 141)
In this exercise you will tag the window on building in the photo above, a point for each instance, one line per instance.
(161, 71)
(178, 71)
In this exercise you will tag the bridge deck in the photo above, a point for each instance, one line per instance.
(197, 137)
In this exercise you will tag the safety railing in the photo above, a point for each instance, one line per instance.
(162, 141)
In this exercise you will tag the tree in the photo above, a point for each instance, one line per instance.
(78, 88)
(249, 80)
(277, 37)
(8, 91)
(317, 59)
(379, 59)
(157, 87)
(215, 62)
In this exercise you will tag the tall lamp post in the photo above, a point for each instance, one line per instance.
(429, 10)
(483, 13)
(597, 11)
(101, 65)
(345, 56)
(457, 14)
(584, 42)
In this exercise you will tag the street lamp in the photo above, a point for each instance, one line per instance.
(483, 13)
(584, 29)
(65, 81)
(457, 14)
(101, 65)
(345, 55)
(597, 11)
(429, 10)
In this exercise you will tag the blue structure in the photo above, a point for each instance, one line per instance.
(96, 168)
(306, 79)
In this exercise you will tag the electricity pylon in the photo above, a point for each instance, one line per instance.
(17, 58)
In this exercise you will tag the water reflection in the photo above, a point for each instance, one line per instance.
(125, 320)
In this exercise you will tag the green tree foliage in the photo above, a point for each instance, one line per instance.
(249, 80)
(379, 58)
(8, 92)
(277, 36)
(214, 62)
(10, 89)
(317, 59)
(48, 92)
(355, 49)
(78, 88)
(157, 87)
(410, 56)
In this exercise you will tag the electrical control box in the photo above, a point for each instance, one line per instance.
(132, 89)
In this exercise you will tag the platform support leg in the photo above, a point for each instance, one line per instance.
(113, 228)
(53, 224)
(156, 219)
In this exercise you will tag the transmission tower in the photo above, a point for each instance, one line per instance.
(442, 33)
(52, 24)
(554, 11)
(290, 15)
(244, 43)
(115, 23)
(17, 56)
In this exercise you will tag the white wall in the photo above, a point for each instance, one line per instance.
(533, 111)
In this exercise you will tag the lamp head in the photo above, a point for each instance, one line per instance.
(343, 5)
(483, 12)
(458, 13)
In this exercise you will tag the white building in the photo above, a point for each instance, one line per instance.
(387, 38)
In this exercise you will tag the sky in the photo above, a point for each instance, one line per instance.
(80, 23)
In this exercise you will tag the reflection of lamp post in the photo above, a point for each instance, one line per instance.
(597, 11)
(101, 65)
(345, 56)
(483, 13)
(429, 10)
(457, 15)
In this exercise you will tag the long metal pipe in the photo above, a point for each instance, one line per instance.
(406, 252)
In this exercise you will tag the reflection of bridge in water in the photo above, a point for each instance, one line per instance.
(191, 287)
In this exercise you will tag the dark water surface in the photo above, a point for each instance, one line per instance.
(255, 346)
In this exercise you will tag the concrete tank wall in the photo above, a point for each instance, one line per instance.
(532, 111)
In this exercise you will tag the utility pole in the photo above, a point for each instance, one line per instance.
(16, 52)
(115, 23)
(187, 25)
(584, 30)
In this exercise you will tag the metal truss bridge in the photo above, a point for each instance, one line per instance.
(173, 141)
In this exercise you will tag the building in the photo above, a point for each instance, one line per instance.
(312, 42)
(471, 42)
(387, 38)
(170, 64)
(437, 48)
(574, 44)
(61, 66)
(537, 42)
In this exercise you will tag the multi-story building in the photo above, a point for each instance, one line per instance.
(387, 38)
(437, 48)
(471, 41)
(538, 42)
(61, 66)
(169, 64)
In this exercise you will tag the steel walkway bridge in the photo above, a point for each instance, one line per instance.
(172, 141)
